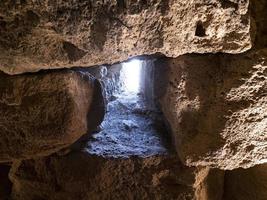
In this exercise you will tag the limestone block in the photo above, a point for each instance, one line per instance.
(46, 34)
(84, 176)
(216, 106)
(44, 112)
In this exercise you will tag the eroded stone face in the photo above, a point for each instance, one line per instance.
(83, 176)
(45, 34)
(216, 106)
(45, 112)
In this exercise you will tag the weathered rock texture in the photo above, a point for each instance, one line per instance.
(85, 177)
(246, 184)
(48, 34)
(110, 77)
(42, 113)
(216, 106)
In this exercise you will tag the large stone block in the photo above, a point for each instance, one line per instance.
(44, 112)
(216, 106)
(79, 175)
(51, 34)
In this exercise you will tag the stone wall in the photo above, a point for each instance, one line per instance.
(215, 103)
(216, 106)
(45, 112)
(110, 77)
(82, 176)
(54, 34)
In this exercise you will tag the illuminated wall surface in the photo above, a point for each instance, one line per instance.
(131, 75)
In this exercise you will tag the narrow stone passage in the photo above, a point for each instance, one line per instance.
(133, 124)
(130, 128)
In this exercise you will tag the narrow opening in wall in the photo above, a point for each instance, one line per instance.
(133, 125)
(131, 75)
(200, 29)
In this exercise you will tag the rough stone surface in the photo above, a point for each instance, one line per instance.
(44, 112)
(110, 78)
(216, 106)
(82, 176)
(52, 34)
(246, 184)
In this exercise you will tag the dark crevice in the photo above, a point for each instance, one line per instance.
(5, 183)
(200, 30)
(228, 4)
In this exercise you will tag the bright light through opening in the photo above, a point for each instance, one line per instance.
(131, 72)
